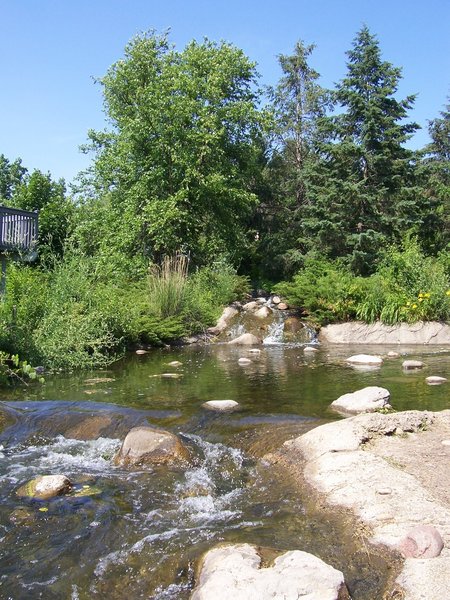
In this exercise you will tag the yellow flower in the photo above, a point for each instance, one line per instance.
(414, 306)
(427, 295)
(447, 293)
(420, 295)
(420, 299)
(43, 509)
(408, 304)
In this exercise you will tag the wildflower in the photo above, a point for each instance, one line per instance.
(427, 295)
(420, 299)
(447, 293)
(408, 304)
(420, 295)
(414, 306)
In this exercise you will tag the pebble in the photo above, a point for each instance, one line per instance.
(412, 364)
(435, 380)
(244, 361)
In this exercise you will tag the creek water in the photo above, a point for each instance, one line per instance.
(140, 533)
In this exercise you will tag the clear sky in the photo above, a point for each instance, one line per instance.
(50, 51)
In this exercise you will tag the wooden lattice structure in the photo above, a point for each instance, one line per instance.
(18, 237)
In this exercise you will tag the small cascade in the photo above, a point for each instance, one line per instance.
(275, 333)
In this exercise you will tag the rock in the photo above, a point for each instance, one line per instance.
(244, 361)
(276, 299)
(222, 323)
(392, 354)
(435, 380)
(170, 375)
(412, 364)
(249, 306)
(140, 352)
(235, 572)
(369, 399)
(357, 332)
(263, 312)
(310, 349)
(221, 405)
(246, 339)
(45, 487)
(254, 350)
(293, 325)
(151, 446)
(365, 359)
(175, 363)
(423, 541)
(282, 306)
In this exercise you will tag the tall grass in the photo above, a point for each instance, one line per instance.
(167, 286)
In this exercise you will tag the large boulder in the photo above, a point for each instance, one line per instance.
(246, 339)
(228, 313)
(45, 487)
(235, 571)
(357, 332)
(150, 446)
(263, 313)
(369, 399)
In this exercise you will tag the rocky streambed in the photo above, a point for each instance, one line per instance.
(267, 480)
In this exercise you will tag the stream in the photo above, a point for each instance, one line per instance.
(139, 533)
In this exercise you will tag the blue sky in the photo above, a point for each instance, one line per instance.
(51, 50)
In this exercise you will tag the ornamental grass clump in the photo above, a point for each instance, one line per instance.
(167, 286)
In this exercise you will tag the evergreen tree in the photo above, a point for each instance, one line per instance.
(298, 101)
(362, 190)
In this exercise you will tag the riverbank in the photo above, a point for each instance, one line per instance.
(391, 473)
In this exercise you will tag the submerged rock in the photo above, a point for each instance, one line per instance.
(175, 363)
(45, 487)
(246, 339)
(368, 399)
(244, 361)
(151, 446)
(234, 571)
(310, 349)
(221, 405)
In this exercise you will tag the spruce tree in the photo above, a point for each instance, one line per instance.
(362, 191)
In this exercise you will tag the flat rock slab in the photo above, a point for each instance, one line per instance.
(151, 446)
(221, 405)
(364, 359)
(392, 483)
(369, 399)
(234, 572)
(45, 487)
(357, 332)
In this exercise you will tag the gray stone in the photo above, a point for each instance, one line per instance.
(310, 349)
(423, 541)
(246, 339)
(151, 446)
(234, 571)
(412, 364)
(250, 306)
(357, 332)
(369, 399)
(263, 312)
(244, 361)
(45, 487)
(221, 405)
(175, 363)
(276, 299)
(393, 354)
(365, 359)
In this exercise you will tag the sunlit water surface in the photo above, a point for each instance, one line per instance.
(139, 534)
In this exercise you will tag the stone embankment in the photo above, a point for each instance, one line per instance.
(357, 332)
(391, 472)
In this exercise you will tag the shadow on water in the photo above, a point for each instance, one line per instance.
(140, 533)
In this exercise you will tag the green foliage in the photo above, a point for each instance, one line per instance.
(15, 371)
(323, 289)
(177, 168)
(407, 287)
